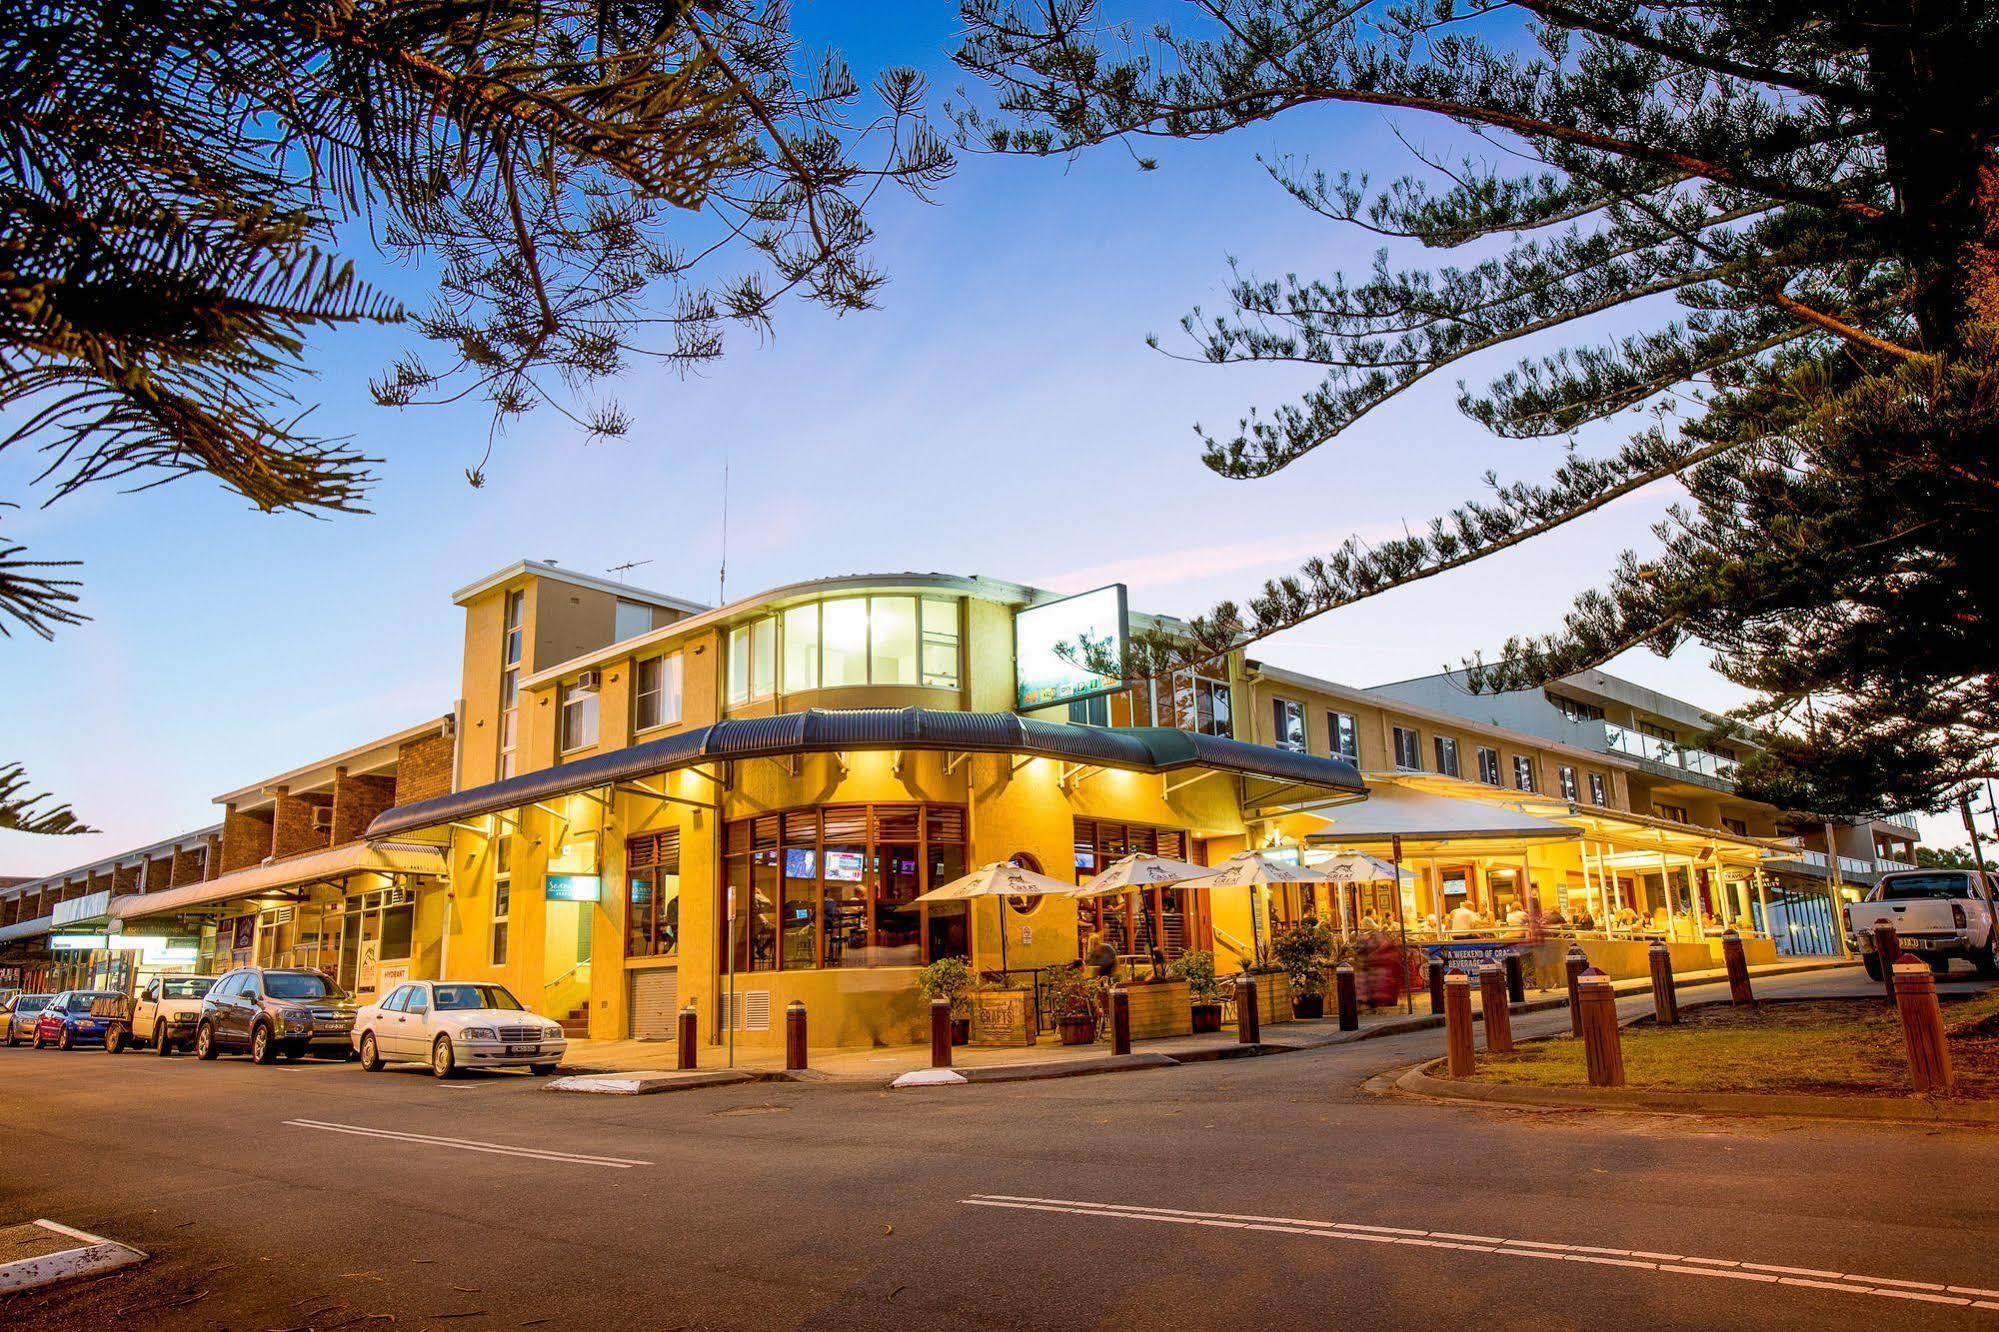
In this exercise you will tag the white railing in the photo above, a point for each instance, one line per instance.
(1623, 740)
(1901, 821)
(1883, 864)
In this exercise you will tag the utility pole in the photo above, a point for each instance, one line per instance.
(1977, 850)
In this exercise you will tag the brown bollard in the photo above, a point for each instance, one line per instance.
(1888, 947)
(1120, 1020)
(940, 1033)
(794, 1035)
(1665, 995)
(1922, 1028)
(1436, 985)
(1739, 992)
(1498, 1017)
(1573, 966)
(1248, 1030)
(687, 1047)
(1347, 996)
(1457, 1025)
(1603, 1050)
(1516, 979)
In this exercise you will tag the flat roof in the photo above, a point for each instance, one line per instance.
(151, 851)
(557, 573)
(360, 760)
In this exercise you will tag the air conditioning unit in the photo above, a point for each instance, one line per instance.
(585, 682)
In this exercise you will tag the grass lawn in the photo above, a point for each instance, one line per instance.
(1842, 1047)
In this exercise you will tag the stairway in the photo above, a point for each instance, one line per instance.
(576, 1024)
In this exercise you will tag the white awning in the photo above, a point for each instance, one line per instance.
(314, 867)
(1418, 816)
(27, 929)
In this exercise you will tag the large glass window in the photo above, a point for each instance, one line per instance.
(656, 692)
(763, 657)
(801, 648)
(833, 886)
(846, 642)
(630, 620)
(940, 643)
(653, 918)
(892, 639)
(739, 664)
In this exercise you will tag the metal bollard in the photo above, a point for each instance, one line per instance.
(1120, 1020)
(1922, 1028)
(1248, 1030)
(1888, 947)
(794, 1035)
(1516, 979)
(1348, 997)
(940, 1033)
(1457, 1025)
(1603, 1050)
(687, 1046)
(1573, 966)
(1436, 985)
(1498, 1017)
(1665, 995)
(1739, 992)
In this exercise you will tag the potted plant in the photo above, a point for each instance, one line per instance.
(1072, 996)
(950, 978)
(1196, 966)
(1302, 953)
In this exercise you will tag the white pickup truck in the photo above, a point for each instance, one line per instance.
(163, 1016)
(1938, 914)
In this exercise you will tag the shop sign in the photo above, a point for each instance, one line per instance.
(87, 907)
(245, 928)
(1469, 957)
(1049, 640)
(573, 887)
(1002, 1017)
(387, 978)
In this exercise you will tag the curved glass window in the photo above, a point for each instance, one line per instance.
(844, 642)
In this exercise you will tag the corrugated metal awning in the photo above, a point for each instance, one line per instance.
(314, 867)
(1142, 749)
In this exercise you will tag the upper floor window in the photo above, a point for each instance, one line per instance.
(1523, 772)
(1343, 735)
(1570, 789)
(631, 620)
(511, 654)
(1598, 795)
(1092, 711)
(1204, 705)
(1676, 813)
(1290, 720)
(579, 718)
(1575, 709)
(887, 640)
(1656, 731)
(753, 660)
(1488, 766)
(510, 682)
(656, 692)
(1740, 827)
(1408, 749)
(1447, 756)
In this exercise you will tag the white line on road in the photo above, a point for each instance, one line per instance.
(469, 1145)
(1850, 1283)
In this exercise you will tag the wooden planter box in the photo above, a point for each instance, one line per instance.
(1273, 998)
(1165, 1009)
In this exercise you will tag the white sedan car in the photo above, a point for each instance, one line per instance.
(456, 1024)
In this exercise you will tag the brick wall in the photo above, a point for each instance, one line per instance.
(159, 874)
(246, 838)
(187, 867)
(356, 802)
(211, 859)
(423, 769)
(292, 830)
(125, 879)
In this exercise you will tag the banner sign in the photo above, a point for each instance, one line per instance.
(1050, 643)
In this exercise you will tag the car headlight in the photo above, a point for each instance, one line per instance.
(551, 1033)
(480, 1034)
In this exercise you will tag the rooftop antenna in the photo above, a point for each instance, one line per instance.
(722, 577)
(622, 569)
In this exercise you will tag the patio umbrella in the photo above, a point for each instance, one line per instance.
(1352, 868)
(1140, 870)
(1000, 879)
(1249, 869)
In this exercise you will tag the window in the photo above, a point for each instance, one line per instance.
(653, 922)
(833, 886)
(503, 895)
(1447, 756)
(846, 642)
(1488, 766)
(1166, 918)
(1598, 795)
(1570, 790)
(510, 682)
(656, 692)
(394, 1003)
(1203, 704)
(1676, 813)
(940, 643)
(1343, 735)
(1408, 749)
(1575, 709)
(892, 636)
(416, 1001)
(1656, 731)
(753, 660)
(801, 648)
(1740, 827)
(886, 640)
(1093, 711)
(579, 718)
(471, 998)
(1290, 719)
(1523, 772)
(630, 620)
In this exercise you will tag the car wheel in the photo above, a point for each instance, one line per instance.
(35, 1042)
(543, 1070)
(1987, 958)
(1872, 961)
(371, 1054)
(65, 1041)
(204, 1042)
(260, 1045)
(12, 1039)
(443, 1060)
(114, 1040)
(163, 1044)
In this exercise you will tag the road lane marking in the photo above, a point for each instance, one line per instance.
(468, 1145)
(1732, 1269)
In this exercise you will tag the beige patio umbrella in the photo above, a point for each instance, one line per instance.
(1000, 879)
(1138, 871)
(1250, 869)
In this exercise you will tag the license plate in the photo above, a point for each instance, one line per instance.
(522, 1049)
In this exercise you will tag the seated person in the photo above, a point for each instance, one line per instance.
(1515, 916)
(1463, 918)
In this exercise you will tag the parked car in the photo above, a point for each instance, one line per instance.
(1938, 914)
(22, 1011)
(456, 1024)
(163, 1017)
(72, 1019)
(268, 1011)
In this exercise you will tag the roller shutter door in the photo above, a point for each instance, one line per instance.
(655, 1002)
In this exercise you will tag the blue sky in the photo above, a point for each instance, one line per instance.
(999, 414)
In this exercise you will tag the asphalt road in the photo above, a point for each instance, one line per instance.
(1244, 1193)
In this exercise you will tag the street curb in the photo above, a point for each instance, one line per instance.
(1073, 1068)
(1793, 1105)
(645, 1083)
(93, 1256)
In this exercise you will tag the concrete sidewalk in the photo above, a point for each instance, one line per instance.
(883, 1065)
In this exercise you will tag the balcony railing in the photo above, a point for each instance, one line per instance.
(1623, 740)
(1883, 864)
(1902, 821)
(1847, 864)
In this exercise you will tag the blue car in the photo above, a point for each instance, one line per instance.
(68, 1022)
